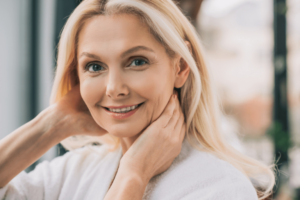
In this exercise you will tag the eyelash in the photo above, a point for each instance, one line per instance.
(146, 62)
(92, 63)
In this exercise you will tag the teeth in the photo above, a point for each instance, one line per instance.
(123, 110)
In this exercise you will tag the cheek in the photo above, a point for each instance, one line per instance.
(91, 92)
(152, 86)
(156, 87)
(159, 99)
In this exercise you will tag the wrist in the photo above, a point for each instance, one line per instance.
(126, 185)
(133, 174)
(48, 122)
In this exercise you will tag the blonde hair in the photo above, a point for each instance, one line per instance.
(170, 27)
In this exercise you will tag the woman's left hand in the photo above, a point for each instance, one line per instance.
(152, 153)
(155, 149)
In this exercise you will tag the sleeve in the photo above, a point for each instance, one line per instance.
(234, 191)
(43, 183)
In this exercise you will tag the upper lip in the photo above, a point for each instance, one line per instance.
(118, 107)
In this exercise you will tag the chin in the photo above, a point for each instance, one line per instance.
(123, 131)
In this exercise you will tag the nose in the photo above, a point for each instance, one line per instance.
(116, 87)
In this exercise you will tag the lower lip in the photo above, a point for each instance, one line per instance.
(122, 115)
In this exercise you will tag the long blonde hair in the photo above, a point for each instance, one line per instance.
(171, 28)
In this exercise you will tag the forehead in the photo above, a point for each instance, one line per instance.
(115, 32)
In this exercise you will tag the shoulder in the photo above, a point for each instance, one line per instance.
(69, 168)
(198, 174)
(59, 178)
(75, 162)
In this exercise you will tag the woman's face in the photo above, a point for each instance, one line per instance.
(120, 64)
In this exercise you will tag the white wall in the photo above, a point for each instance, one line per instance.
(46, 51)
(14, 62)
(14, 29)
(46, 58)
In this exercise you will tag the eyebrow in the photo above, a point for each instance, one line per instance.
(135, 49)
(129, 51)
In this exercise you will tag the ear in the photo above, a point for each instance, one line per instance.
(182, 69)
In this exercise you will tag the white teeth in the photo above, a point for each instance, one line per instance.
(123, 110)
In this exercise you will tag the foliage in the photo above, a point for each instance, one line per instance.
(280, 137)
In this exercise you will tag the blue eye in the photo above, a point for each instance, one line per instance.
(95, 67)
(138, 62)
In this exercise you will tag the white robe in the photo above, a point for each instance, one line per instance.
(86, 174)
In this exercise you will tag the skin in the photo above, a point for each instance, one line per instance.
(151, 138)
(108, 38)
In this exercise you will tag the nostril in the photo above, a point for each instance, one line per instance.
(122, 94)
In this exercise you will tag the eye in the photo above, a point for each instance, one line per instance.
(93, 67)
(138, 62)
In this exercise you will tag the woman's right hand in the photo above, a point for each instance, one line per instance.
(72, 117)
(28, 143)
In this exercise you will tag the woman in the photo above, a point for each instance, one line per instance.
(119, 64)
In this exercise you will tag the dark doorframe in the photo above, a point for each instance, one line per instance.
(64, 8)
(33, 65)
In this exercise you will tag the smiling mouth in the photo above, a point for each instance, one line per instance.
(123, 110)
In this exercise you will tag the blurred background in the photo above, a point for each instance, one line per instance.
(252, 49)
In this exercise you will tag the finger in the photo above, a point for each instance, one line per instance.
(179, 122)
(180, 112)
(73, 93)
(176, 114)
(166, 115)
(73, 98)
(179, 128)
(182, 132)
